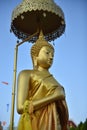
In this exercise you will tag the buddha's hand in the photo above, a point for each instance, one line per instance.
(28, 107)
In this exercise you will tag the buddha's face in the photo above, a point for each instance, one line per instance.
(45, 57)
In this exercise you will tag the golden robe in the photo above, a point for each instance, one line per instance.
(54, 115)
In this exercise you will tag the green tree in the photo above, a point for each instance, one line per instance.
(84, 127)
(80, 126)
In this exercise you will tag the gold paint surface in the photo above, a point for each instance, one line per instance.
(40, 97)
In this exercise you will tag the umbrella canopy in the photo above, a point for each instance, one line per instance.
(31, 15)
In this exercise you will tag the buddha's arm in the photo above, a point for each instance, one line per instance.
(22, 90)
(58, 94)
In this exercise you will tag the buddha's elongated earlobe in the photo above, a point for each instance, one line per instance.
(35, 62)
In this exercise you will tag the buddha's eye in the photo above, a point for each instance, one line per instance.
(47, 52)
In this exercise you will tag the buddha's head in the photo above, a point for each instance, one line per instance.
(37, 48)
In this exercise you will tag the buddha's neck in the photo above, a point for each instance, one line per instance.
(43, 69)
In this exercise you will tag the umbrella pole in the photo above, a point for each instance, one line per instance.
(13, 89)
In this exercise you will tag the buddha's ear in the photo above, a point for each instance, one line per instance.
(35, 62)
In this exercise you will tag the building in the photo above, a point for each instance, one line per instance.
(71, 124)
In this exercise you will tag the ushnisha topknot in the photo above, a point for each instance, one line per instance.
(38, 45)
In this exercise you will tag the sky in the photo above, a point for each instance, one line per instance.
(70, 59)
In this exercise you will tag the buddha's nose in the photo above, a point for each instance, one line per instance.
(51, 57)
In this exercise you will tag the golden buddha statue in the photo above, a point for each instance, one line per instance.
(40, 98)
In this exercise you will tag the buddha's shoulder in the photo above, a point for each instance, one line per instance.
(26, 72)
